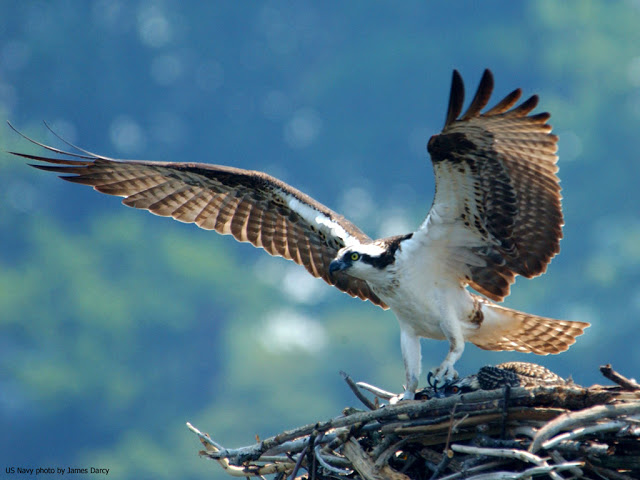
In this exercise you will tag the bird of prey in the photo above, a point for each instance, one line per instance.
(496, 214)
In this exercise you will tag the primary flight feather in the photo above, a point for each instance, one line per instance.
(496, 214)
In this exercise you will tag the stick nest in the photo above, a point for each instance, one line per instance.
(558, 432)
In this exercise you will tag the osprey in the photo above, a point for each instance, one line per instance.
(496, 214)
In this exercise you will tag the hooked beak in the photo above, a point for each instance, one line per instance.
(337, 266)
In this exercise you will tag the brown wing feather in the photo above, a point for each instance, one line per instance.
(251, 206)
(504, 163)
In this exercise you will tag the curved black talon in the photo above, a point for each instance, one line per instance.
(431, 383)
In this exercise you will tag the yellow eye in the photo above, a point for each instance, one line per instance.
(355, 256)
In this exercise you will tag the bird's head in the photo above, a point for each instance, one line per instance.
(366, 261)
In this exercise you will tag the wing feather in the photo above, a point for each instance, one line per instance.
(497, 193)
(506, 103)
(456, 99)
(481, 98)
(189, 210)
(251, 206)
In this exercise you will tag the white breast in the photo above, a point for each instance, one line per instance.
(425, 291)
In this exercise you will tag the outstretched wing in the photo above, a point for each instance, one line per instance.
(497, 201)
(252, 206)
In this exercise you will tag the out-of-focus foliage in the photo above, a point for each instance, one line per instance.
(117, 327)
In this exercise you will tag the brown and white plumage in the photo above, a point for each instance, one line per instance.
(252, 206)
(511, 330)
(511, 374)
(496, 214)
(496, 172)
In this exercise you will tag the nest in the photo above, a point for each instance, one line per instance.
(559, 431)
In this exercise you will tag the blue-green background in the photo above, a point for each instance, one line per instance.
(117, 327)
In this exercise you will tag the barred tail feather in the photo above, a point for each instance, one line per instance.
(506, 329)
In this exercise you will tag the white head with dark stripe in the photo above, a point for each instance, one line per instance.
(370, 261)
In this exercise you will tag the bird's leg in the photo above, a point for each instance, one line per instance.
(456, 346)
(410, 344)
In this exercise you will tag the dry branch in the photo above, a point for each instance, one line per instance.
(553, 431)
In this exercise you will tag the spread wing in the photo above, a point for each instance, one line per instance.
(252, 206)
(497, 209)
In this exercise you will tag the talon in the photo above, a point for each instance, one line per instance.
(431, 382)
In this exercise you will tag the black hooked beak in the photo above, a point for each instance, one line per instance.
(337, 265)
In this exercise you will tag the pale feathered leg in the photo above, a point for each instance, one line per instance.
(446, 371)
(453, 332)
(410, 344)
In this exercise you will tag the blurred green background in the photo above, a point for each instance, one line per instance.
(117, 327)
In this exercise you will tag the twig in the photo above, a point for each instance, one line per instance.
(505, 411)
(378, 392)
(312, 461)
(582, 431)
(447, 453)
(295, 446)
(447, 456)
(384, 445)
(204, 436)
(383, 458)
(478, 468)
(453, 417)
(365, 467)
(589, 447)
(521, 455)
(322, 459)
(298, 463)
(512, 453)
(356, 391)
(246, 471)
(626, 383)
(526, 474)
(571, 420)
(560, 460)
